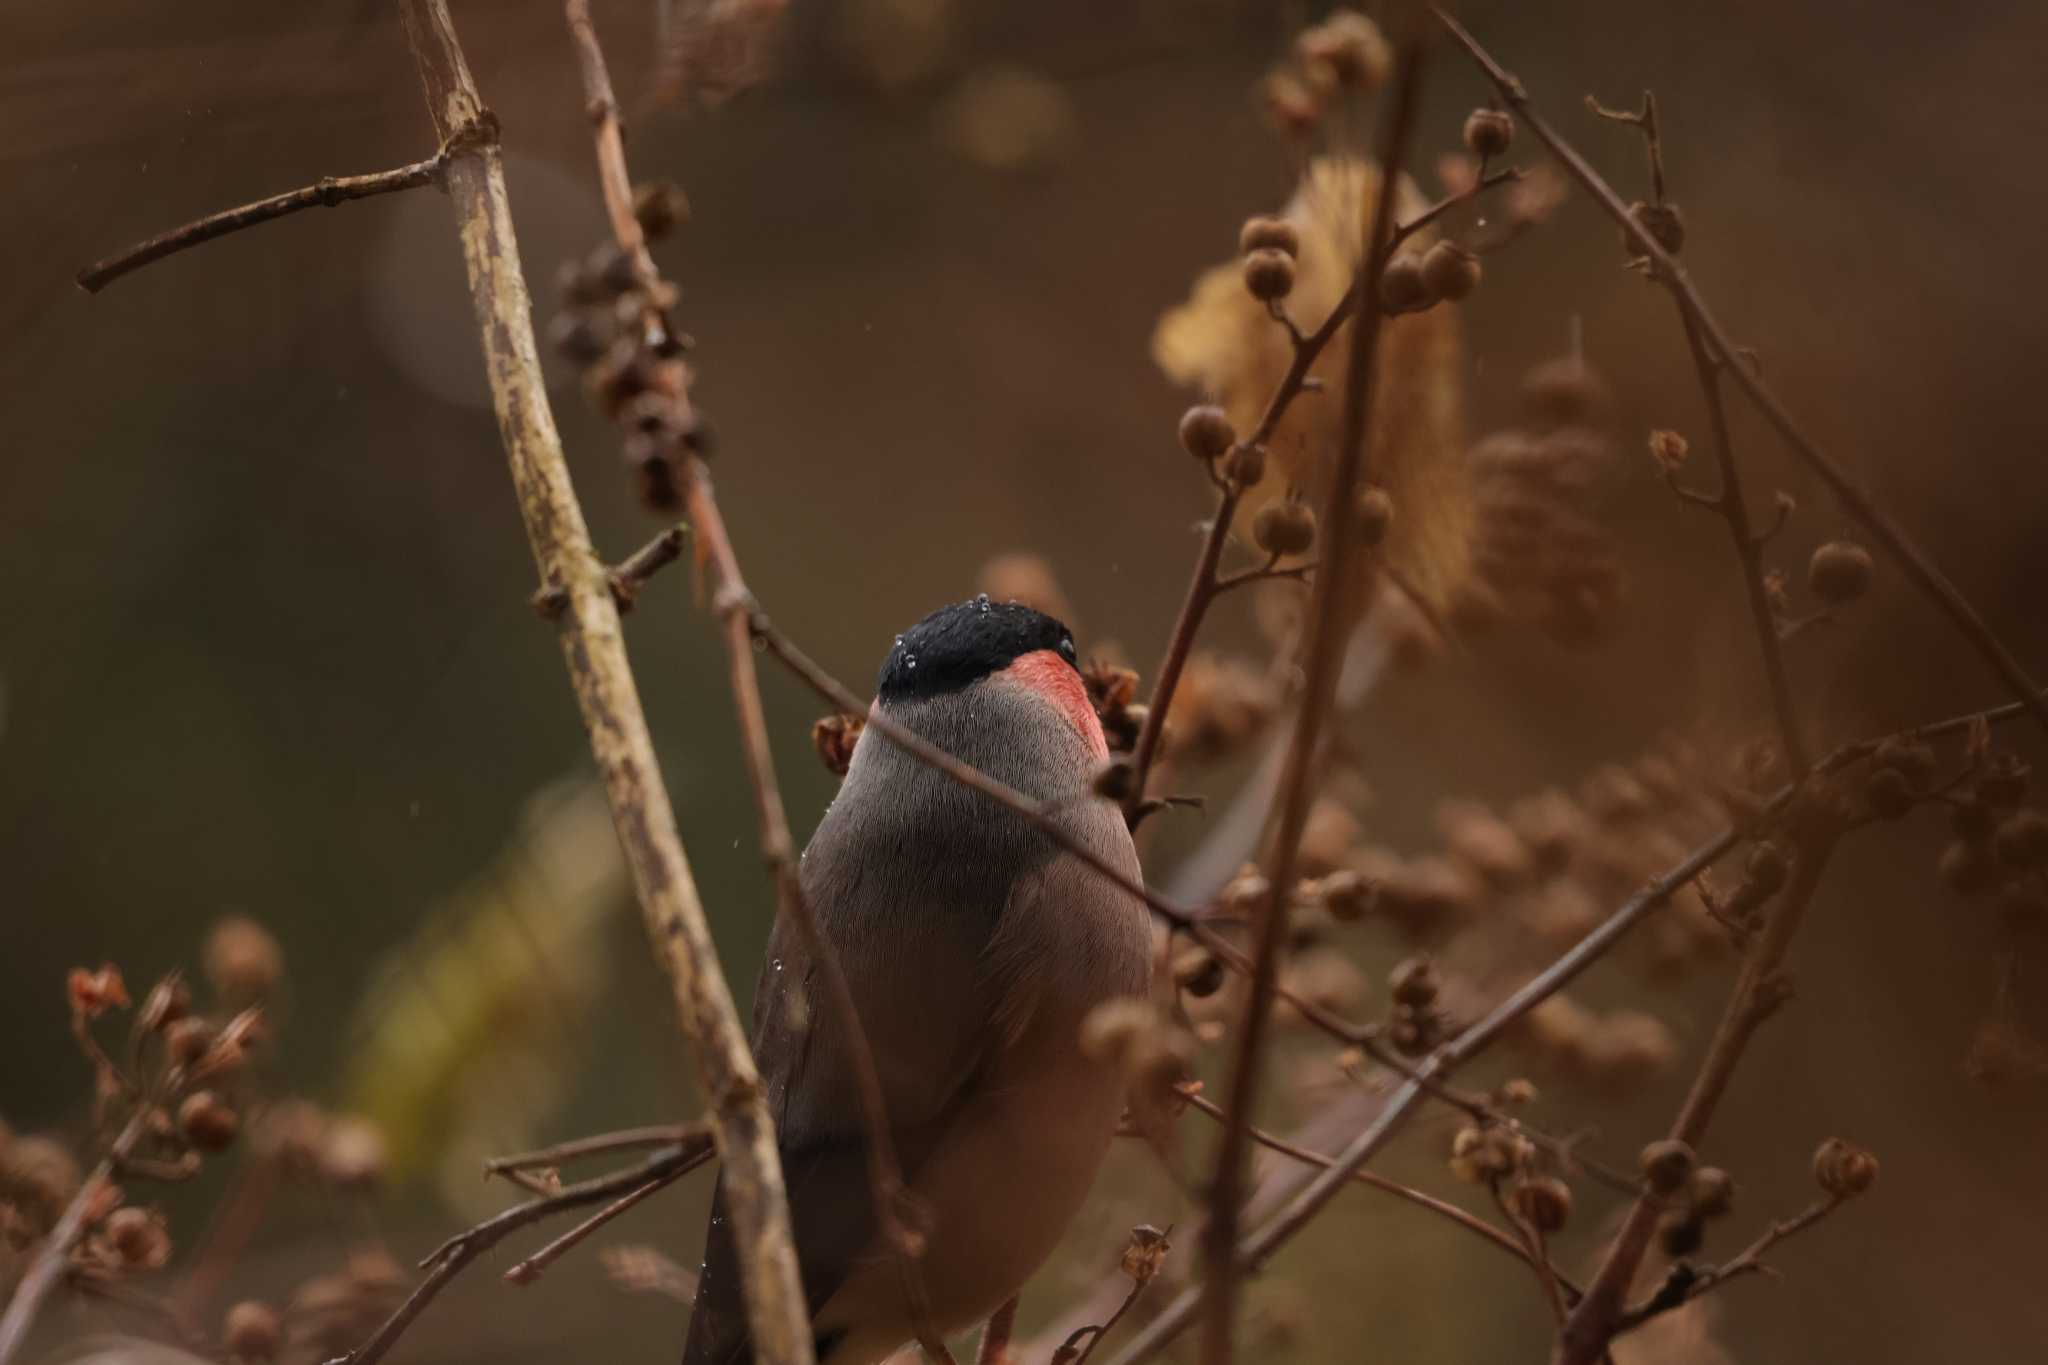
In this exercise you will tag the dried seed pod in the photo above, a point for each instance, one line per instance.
(661, 206)
(1839, 572)
(1544, 1202)
(1346, 894)
(1284, 528)
(1402, 287)
(167, 1002)
(2022, 839)
(1205, 432)
(1669, 450)
(1145, 1253)
(1450, 271)
(1843, 1169)
(1663, 222)
(1681, 1235)
(1295, 109)
(1269, 274)
(1488, 132)
(1198, 972)
(1268, 234)
(1246, 466)
(1766, 872)
(1517, 1091)
(253, 1331)
(834, 738)
(139, 1237)
(1414, 981)
(1711, 1192)
(187, 1040)
(1666, 1165)
(208, 1121)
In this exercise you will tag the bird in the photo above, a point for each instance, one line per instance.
(975, 946)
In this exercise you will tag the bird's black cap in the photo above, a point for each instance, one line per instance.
(964, 643)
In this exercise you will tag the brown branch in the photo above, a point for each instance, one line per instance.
(447, 1261)
(1372, 1179)
(595, 654)
(1760, 989)
(626, 1139)
(1326, 642)
(1485, 181)
(530, 1269)
(644, 563)
(327, 192)
(1073, 1352)
(1676, 1291)
(1860, 503)
(54, 1254)
(733, 605)
(1309, 1200)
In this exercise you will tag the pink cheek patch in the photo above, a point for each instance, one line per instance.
(1054, 679)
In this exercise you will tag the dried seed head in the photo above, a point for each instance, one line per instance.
(834, 737)
(1839, 572)
(1843, 1169)
(1269, 274)
(1414, 981)
(208, 1121)
(1488, 132)
(1681, 1234)
(1450, 271)
(1669, 450)
(1711, 1192)
(661, 206)
(1268, 234)
(1284, 528)
(1545, 1202)
(1145, 1253)
(92, 993)
(1402, 287)
(1666, 1165)
(1663, 222)
(1517, 1091)
(1246, 465)
(1198, 972)
(167, 1002)
(1346, 50)
(1375, 515)
(139, 1237)
(242, 960)
(187, 1040)
(1205, 432)
(2022, 839)
(1887, 792)
(1346, 894)
(252, 1331)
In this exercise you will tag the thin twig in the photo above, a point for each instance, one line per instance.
(594, 651)
(1858, 500)
(1759, 989)
(1486, 181)
(1676, 1291)
(733, 605)
(644, 563)
(1073, 1351)
(327, 192)
(1326, 642)
(626, 1139)
(54, 1253)
(446, 1261)
(530, 1269)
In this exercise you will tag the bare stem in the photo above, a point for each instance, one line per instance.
(55, 1251)
(530, 1269)
(326, 192)
(1847, 489)
(626, 1139)
(594, 651)
(1676, 1292)
(1326, 641)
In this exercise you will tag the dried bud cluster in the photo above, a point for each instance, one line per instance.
(1344, 54)
(1113, 691)
(615, 326)
(1839, 572)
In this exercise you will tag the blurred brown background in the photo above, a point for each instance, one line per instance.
(266, 647)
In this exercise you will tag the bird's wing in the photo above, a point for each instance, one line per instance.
(912, 936)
